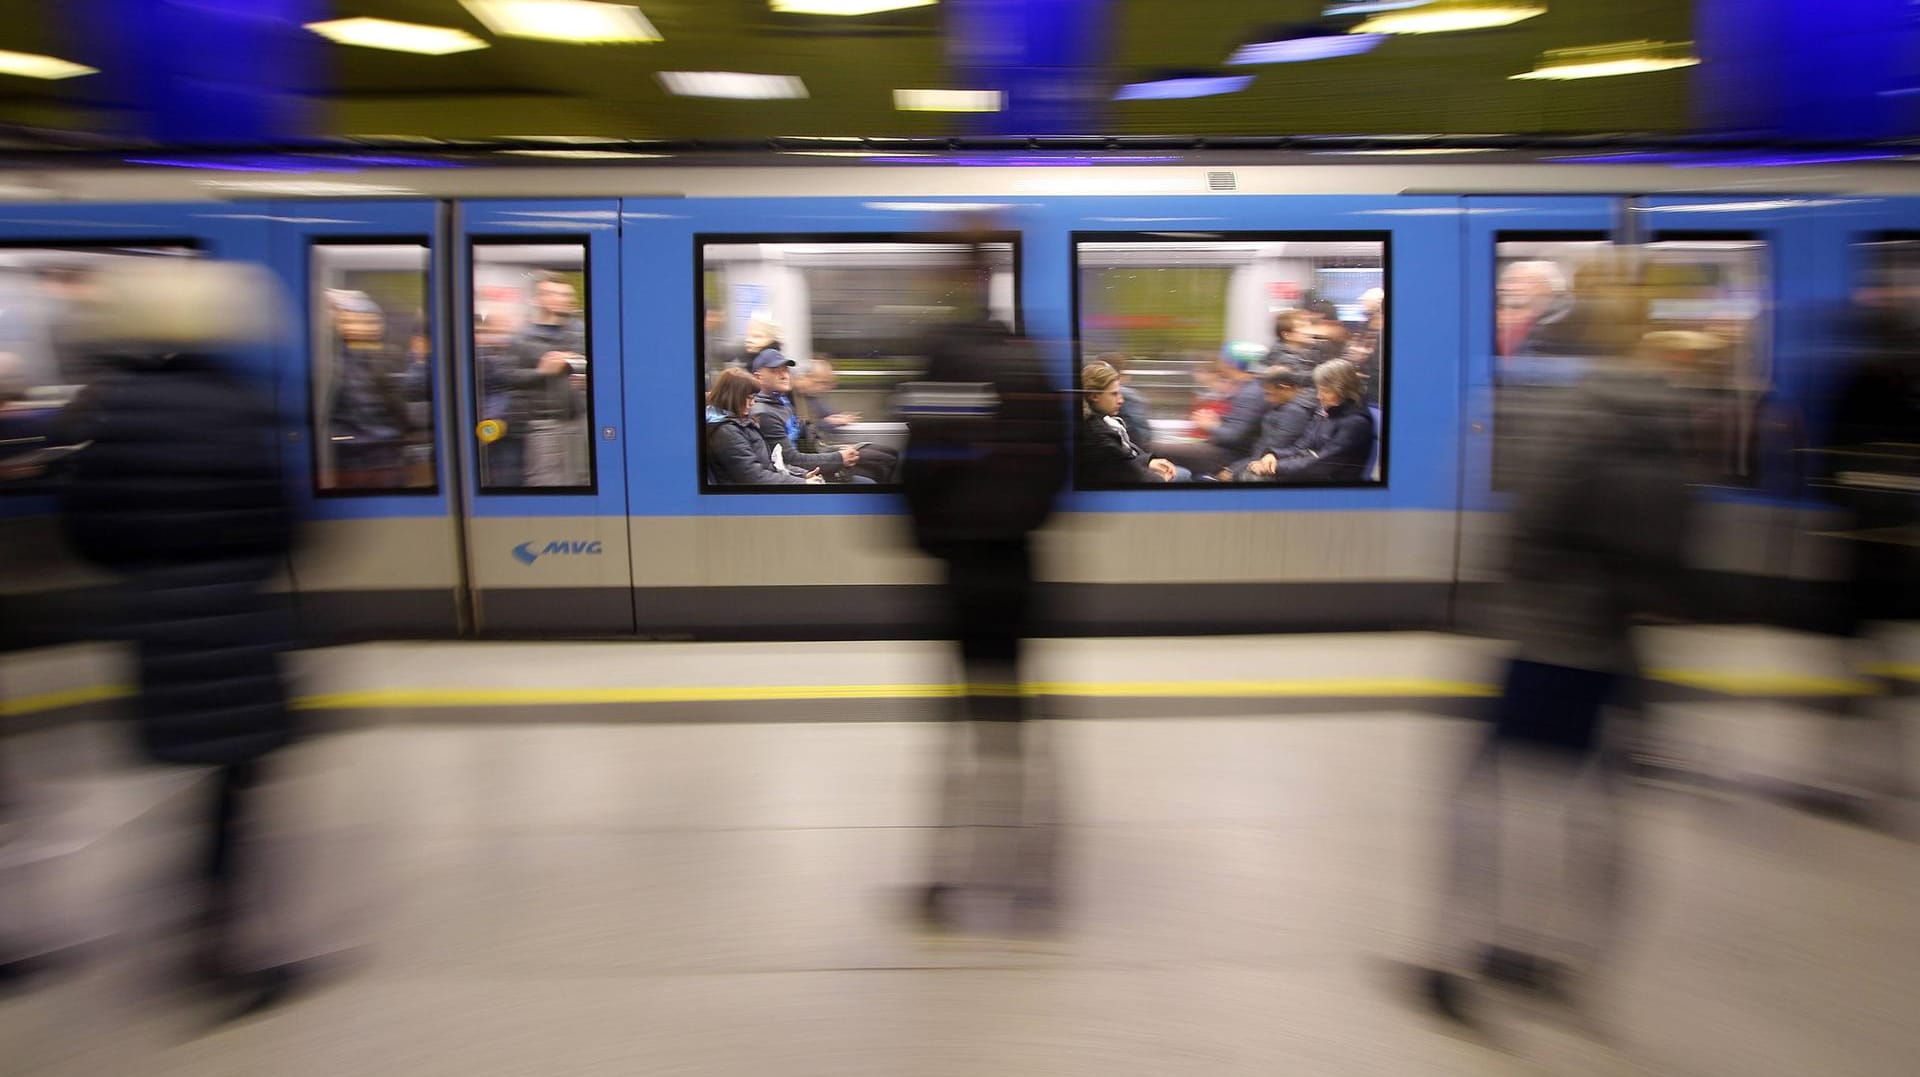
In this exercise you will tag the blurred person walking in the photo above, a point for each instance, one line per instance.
(180, 493)
(1532, 893)
(987, 456)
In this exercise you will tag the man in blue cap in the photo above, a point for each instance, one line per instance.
(773, 410)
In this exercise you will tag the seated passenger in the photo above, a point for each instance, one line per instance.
(1133, 404)
(773, 410)
(1229, 437)
(737, 455)
(1294, 346)
(1106, 452)
(1280, 431)
(822, 428)
(1338, 440)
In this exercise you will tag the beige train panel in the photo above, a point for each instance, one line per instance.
(389, 554)
(511, 552)
(763, 551)
(1765, 540)
(1483, 547)
(39, 559)
(1251, 547)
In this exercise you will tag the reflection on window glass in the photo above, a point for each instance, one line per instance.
(820, 333)
(1706, 316)
(532, 355)
(1240, 359)
(372, 368)
(44, 362)
(1538, 344)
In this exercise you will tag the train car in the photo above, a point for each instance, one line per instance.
(493, 401)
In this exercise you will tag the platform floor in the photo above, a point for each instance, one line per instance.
(595, 897)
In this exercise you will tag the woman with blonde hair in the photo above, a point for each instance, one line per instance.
(1105, 453)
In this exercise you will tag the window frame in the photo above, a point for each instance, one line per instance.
(475, 381)
(199, 247)
(1382, 236)
(314, 433)
(701, 240)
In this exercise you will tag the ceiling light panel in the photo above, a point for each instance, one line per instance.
(1369, 7)
(397, 36)
(1601, 61)
(574, 22)
(1169, 89)
(1301, 47)
(735, 85)
(947, 100)
(32, 65)
(844, 7)
(1452, 16)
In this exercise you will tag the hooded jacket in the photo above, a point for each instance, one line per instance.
(737, 454)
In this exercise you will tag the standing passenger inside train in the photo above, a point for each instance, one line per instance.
(1294, 346)
(737, 453)
(367, 419)
(1338, 440)
(1105, 452)
(779, 423)
(550, 350)
(1229, 437)
(1286, 422)
(987, 458)
(1536, 312)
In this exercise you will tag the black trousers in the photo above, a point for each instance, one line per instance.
(221, 864)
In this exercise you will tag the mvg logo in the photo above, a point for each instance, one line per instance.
(527, 555)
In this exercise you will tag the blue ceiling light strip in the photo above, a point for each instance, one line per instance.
(206, 74)
(1045, 56)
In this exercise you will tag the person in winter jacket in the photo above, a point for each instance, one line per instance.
(1286, 422)
(1105, 452)
(779, 423)
(367, 420)
(737, 453)
(985, 460)
(179, 491)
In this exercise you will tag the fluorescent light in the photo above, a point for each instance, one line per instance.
(576, 22)
(1303, 45)
(397, 36)
(1181, 86)
(1369, 7)
(32, 65)
(1448, 16)
(737, 85)
(586, 155)
(565, 140)
(1403, 153)
(305, 188)
(1600, 61)
(856, 153)
(844, 7)
(947, 100)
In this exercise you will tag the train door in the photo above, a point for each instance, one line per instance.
(1519, 259)
(540, 416)
(366, 382)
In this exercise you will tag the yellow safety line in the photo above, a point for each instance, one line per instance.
(1733, 683)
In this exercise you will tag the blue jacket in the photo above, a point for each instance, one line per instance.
(1242, 423)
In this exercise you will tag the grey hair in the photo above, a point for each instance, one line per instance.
(1340, 376)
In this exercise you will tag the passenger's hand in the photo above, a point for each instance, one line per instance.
(1264, 466)
(849, 455)
(814, 478)
(554, 363)
(843, 418)
(1207, 420)
(1162, 468)
(1225, 474)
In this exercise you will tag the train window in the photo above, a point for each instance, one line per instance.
(821, 330)
(533, 352)
(1254, 358)
(1538, 340)
(44, 360)
(372, 368)
(1707, 312)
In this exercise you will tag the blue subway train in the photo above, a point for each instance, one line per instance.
(493, 406)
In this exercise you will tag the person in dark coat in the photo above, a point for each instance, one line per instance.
(986, 458)
(1105, 452)
(179, 492)
(367, 418)
(737, 453)
(1229, 437)
(1286, 422)
(1597, 541)
(823, 429)
(1338, 439)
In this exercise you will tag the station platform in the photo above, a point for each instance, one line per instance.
(633, 858)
